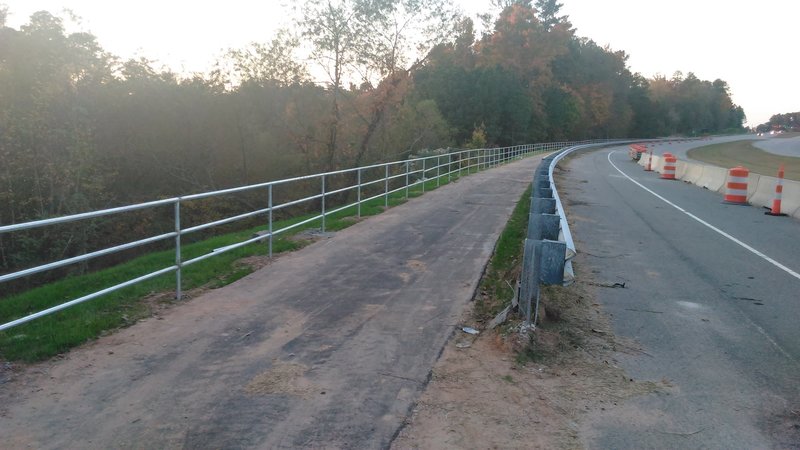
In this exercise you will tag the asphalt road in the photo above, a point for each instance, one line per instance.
(327, 347)
(679, 149)
(716, 321)
(777, 145)
(780, 145)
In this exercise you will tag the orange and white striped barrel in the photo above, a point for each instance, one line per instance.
(736, 189)
(776, 201)
(670, 164)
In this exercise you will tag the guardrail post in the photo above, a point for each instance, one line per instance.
(543, 226)
(270, 220)
(529, 285)
(551, 256)
(359, 194)
(323, 203)
(386, 187)
(178, 289)
(541, 205)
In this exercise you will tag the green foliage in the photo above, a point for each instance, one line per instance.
(784, 122)
(478, 139)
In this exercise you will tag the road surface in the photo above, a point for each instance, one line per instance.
(326, 347)
(712, 294)
(780, 145)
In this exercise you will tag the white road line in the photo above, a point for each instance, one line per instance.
(712, 227)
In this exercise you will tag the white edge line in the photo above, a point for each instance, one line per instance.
(712, 227)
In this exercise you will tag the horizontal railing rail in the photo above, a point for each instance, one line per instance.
(412, 172)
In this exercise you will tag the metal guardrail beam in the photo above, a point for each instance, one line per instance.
(545, 260)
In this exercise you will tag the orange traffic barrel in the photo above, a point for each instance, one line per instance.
(670, 164)
(736, 188)
(776, 201)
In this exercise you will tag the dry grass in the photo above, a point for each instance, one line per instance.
(744, 153)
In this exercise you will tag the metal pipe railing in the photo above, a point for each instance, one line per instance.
(456, 164)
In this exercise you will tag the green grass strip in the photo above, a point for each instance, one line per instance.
(744, 153)
(56, 333)
(494, 291)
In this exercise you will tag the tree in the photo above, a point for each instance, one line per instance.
(374, 43)
(274, 62)
(548, 13)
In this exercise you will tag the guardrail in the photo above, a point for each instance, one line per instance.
(549, 248)
(384, 178)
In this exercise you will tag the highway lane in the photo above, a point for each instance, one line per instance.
(780, 145)
(717, 321)
(679, 149)
(776, 145)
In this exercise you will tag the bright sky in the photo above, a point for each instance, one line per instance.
(750, 45)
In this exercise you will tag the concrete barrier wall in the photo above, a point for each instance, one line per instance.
(760, 188)
(791, 199)
(713, 178)
(657, 163)
(693, 173)
(680, 169)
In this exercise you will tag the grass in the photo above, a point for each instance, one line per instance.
(744, 153)
(505, 263)
(56, 333)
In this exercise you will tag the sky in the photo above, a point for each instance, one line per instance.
(751, 45)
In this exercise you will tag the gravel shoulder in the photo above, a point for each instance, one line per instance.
(510, 391)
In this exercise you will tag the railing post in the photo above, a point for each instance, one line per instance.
(359, 193)
(423, 175)
(407, 163)
(469, 166)
(386, 187)
(270, 220)
(449, 165)
(178, 281)
(323, 203)
(438, 166)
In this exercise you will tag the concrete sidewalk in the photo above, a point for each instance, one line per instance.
(326, 347)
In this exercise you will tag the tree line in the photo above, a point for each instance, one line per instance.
(81, 129)
(781, 122)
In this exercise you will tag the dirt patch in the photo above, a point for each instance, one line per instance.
(256, 262)
(311, 235)
(509, 389)
(282, 378)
